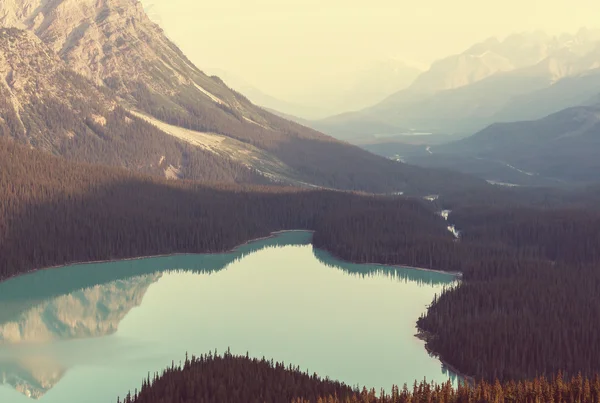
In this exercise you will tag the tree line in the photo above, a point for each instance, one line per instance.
(229, 378)
(56, 212)
(527, 305)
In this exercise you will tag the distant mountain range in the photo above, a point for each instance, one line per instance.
(361, 89)
(99, 82)
(524, 76)
(563, 146)
(557, 150)
(269, 102)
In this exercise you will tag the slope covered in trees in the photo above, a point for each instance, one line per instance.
(47, 106)
(233, 379)
(75, 59)
(55, 212)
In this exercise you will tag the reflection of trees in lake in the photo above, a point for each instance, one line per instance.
(423, 277)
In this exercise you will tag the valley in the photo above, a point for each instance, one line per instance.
(441, 234)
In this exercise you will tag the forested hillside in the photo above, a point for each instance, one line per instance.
(56, 212)
(229, 379)
(527, 305)
(71, 82)
(527, 302)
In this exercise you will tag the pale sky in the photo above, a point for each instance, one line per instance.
(284, 47)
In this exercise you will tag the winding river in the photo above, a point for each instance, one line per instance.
(94, 331)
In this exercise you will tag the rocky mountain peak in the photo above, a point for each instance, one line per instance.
(23, 56)
(97, 38)
(115, 44)
(150, 95)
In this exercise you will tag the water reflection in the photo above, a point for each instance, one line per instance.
(92, 312)
(102, 327)
(88, 313)
(32, 378)
(421, 277)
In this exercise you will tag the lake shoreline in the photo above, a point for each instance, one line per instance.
(270, 236)
(426, 337)
(128, 259)
(396, 266)
(420, 335)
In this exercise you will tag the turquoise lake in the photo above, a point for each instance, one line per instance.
(103, 327)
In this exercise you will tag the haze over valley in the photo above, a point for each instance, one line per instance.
(299, 201)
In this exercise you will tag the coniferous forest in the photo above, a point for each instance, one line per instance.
(229, 379)
(527, 305)
(55, 212)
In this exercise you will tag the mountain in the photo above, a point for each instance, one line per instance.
(466, 92)
(579, 89)
(268, 102)
(561, 148)
(354, 91)
(48, 106)
(375, 83)
(113, 68)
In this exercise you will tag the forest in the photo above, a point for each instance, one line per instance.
(230, 379)
(56, 212)
(64, 113)
(528, 301)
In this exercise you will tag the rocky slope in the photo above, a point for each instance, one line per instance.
(114, 45)
(47, 105)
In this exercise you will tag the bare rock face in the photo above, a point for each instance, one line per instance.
(29, 68)
(34, 80)
(85, 33)
(114, 43)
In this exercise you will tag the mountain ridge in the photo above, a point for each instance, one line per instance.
(128, 58)
(559, 149)
(464, 93)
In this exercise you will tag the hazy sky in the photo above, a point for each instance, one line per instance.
(286, 46)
